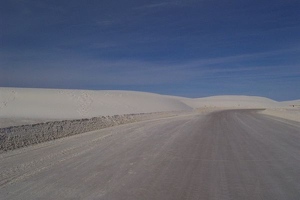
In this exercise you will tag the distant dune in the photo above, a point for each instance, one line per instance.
(232, 101)
(295, 103)
(47, 104)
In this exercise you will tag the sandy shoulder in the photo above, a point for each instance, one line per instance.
(286, 113)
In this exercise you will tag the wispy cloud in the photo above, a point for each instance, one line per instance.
(105, 22)
(155, 5)
(79, 71)
(194, 78)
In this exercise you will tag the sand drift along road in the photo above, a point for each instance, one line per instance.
(233, 154)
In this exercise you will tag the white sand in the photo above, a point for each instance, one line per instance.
(69, 104)
(232, 101)
(286, 113)
(291, 104)
(47, 104)
(287, 109)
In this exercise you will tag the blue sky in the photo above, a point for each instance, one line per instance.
(192, 48)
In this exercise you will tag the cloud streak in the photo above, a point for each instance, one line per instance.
(156, 5)
(134, 72)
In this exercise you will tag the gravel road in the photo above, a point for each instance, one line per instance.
(233, 154)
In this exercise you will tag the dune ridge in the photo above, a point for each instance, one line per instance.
(77, 104)
(30, 104)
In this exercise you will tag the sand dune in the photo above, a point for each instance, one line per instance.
(29, 104)
(232, 101)
(72, 104)
(294, 103)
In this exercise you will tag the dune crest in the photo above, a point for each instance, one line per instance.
(58, 104)
(75, 104)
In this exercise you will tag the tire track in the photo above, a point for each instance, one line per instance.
(22, 171)
(9, 176)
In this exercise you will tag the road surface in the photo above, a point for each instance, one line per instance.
(236, 154)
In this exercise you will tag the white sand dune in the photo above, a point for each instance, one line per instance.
(233, 101)
(287, 109)
(70, 104)
(294, 103)
(54, 104)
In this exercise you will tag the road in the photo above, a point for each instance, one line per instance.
(233, 154)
